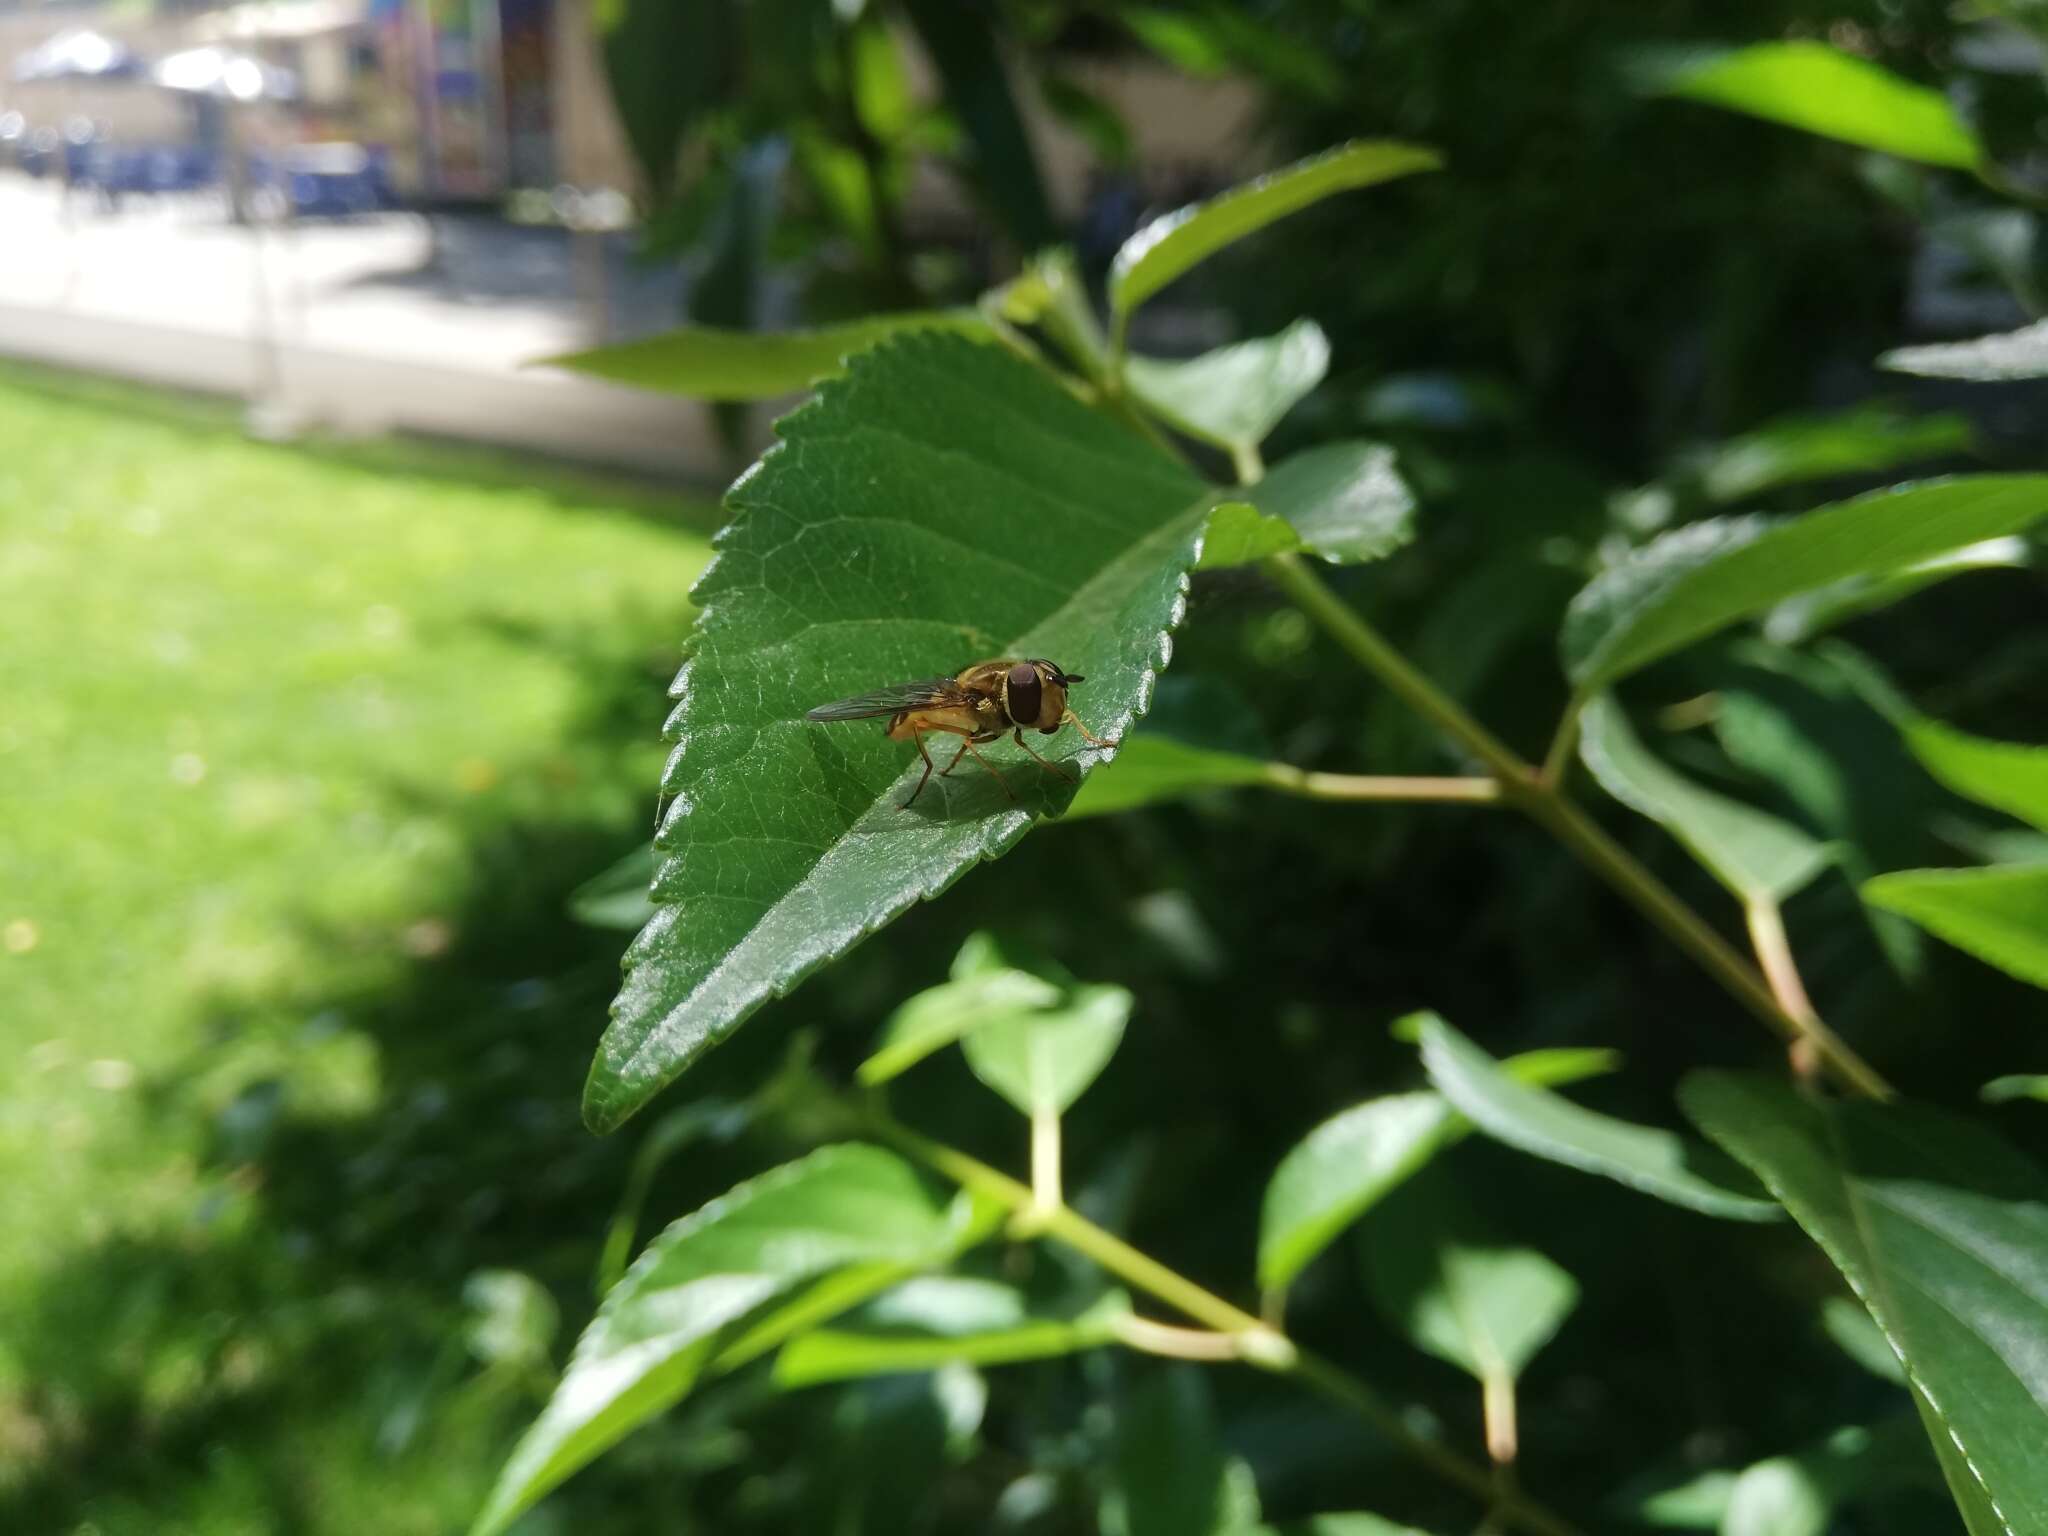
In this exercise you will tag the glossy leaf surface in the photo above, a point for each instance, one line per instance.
(2000, 914)
(942, 504)
(2021, 354)
(2006, 774)
(1942, 1229)
(1041, 1062)
(1235, 395)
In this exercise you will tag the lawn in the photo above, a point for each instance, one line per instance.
(300, 750)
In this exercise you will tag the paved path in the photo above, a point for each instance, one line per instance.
(380, 323)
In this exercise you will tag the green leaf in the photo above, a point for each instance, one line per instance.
(1686, 585)
(618, 897)
(1169, 1476)
(703, 362)
(940, 1320)
(667, 65)
(1756, 855)
(512, 1319)
(1863, 440)
(1800, 618)
(2004, 774)
(2021, 354)
(707, 1118)
(1240, 534)
(1346, 1165)
(1150, 768)
(1042, 1062)
(1174, 242)
(1856, 1334)
(1656, 1162)
(854, 1215)
(2018, 1085)
(2000, 914)
(1942, 1230)
(1455, 1288)
(1235, 395)
(1836, 95)
(1351, 1523)
(938, 1016)
(1346, 500)
(942, 504)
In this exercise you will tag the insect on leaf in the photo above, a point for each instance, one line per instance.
(943, 503)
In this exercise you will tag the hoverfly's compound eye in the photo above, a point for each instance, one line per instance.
(1022, 693)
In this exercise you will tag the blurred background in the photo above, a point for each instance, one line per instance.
(336, 638)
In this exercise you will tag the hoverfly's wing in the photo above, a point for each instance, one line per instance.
(933, 692)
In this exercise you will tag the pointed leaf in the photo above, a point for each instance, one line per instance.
(2018, 1085)
(2004, 774)
(1688, 584)
(1811, 613)
(938, 1320)
(1346, 1165)
(1235, 395)
(938, 1016)
(1942, 1230)
(704, 362)
(2000, 915)
(941, 504)
(2021, 354)
(842, 1211)
(1456, 1288)
(1756, 855)
(1174, 242)
(1042, 1062)
(618, 897)
(1821, 90)
(1539, 1122)
(1346, 500)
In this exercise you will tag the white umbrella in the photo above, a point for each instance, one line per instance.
(215, 71)
(78, 55)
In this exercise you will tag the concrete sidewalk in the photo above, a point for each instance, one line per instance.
(387, 322)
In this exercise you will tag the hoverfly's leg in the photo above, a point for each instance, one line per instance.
(991, 767)
(956, 760)
(918, 737)
(1093, 740)
(1055, 767)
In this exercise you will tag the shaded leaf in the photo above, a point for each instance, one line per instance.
(1820, 90)
(1862, 440)
(1688, 584)
(2004, 774)
(1346, 1165)
(704, 362)
(2021, 354)
(939, 1320)
(618, 897)
(1942, 1230)
(1756, 855)
(1346, 500)
(943, 503)
(2000, 914)
(1352, 1523)
(1656, 1162)
(1857, 1335)
(1151, 768)
(1458, 1290)
(707, 1118)
(1169, 1476)
(2019, 1085)
(1174, 242)
(937, 1016)
(1811, 613)
(854, 1214)
(1235, 395)
(963, 48)
(1041, 1062)
(667, 65)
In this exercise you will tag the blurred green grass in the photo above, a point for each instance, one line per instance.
(300, 750)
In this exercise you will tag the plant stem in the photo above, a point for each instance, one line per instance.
(1290, 780)
(1541, 796)
(1250, 465)
(1046, 1196)
(1249, 1339)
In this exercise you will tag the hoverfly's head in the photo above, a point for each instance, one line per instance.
(1035, 694)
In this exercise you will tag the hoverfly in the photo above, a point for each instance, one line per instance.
(978, 705)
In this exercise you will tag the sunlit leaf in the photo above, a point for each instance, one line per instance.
(938, 1016)
(1235, 395)
(2018, 1085)
(1041, 1062)
(939, 1320)
(1174, 242)
(2005, 774)
(1456, 1288)
(1690, 583)
(1347, 500)
(704, 362)
(1942, 1230)
(853, 1214)
(1656, 1162)
(1346, 1165)
(1821, 90)
(1240, 534)
(1756, 855)
(2000, 914)
(943, 503)
(2021, 354)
